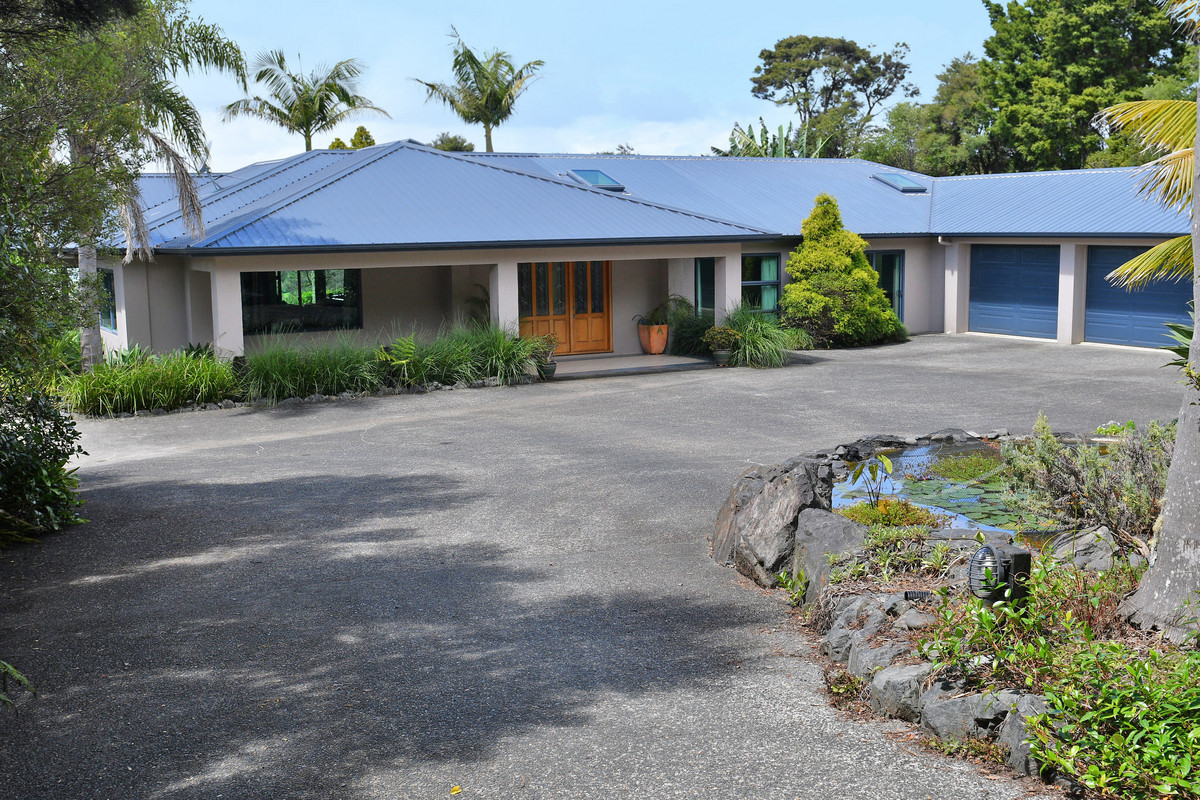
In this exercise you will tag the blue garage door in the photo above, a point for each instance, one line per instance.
(1014, 289)
(1118, 316)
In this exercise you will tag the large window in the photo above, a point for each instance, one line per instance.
(706, 285)
(108, 300)
(301, 300)
(760, 281)
(890, 266)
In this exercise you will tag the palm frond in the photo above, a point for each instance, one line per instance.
(1170, 260)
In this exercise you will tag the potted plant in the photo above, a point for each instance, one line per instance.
(721, 341)
(543, 356)
(654, 325)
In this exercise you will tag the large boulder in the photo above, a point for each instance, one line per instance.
(762, 507)
(818, 534)
(895, 691)
(867, 658)
(858, 622)
(949, 713)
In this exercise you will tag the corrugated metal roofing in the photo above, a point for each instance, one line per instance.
(1100, 202)
(772, 193)
(404, 195)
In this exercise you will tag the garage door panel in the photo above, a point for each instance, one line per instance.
(1115, 315)
(1014, 290)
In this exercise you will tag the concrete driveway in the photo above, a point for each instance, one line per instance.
(506, 590)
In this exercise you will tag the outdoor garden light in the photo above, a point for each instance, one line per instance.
(999, 573)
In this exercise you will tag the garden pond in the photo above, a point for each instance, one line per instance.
(963, 482)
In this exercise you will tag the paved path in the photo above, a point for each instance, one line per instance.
(503, 589)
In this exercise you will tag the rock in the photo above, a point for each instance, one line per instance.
(996, 433)
(747, 562)
(762, 507)
(864, 659)
(895, 691)
(896, 605)
(819, 533)
(226, 404)
(141, 412)
(973, 434)
(1014, 729)
(947, 715)
(951, 435)
(911, 440)
(459, 385)
(124, 415)
(493, 381)
(857, 622)
(1090, 550)
(913, 620)
(994, 708)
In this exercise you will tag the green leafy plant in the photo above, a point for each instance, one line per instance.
(1116, 428)
(796, 586)
(871, 473)
(544, 350)
(1181, 333)
(9, 673)
(37, 491)
(687, 333)
(136, 380)
(978, 465)
(282, 369)
(662, 314)
(762, 342)
(834, 293)
(892, 511)
(721, 338)
(846, 690)
(799, 339)
(463, 353)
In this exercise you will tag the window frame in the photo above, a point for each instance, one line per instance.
(896, 300)
(777, 283)
(108, 298)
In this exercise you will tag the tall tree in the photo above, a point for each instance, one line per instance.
(835, 85)
(306, 104)
(452, 143)
(1168, 597)
(485, 90)
(1053, 64)
(790, 143)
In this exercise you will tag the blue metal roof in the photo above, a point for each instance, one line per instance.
(407, 196)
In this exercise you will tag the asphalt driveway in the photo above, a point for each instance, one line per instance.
(506, 590)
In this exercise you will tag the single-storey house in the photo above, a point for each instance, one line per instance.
(400, 237)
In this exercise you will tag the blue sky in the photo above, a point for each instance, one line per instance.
(668, 78)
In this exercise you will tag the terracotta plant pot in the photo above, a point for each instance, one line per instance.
(721, 357)
(653, 338)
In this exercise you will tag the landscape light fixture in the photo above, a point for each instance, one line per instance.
(999, 573)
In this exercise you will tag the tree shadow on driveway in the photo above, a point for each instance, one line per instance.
(287, 638)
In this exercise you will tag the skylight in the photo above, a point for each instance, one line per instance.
(597, 179)
(901, 183)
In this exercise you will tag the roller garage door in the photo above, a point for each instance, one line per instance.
(1118, 316)
(1014, 289)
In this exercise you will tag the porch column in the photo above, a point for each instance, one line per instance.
(727, 283)
(1072, 292)
(502, 286)
(958, 288)
(681, 277)
(228, 340)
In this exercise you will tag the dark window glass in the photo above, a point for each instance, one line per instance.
(294, 301)
(760, 281)
(525, 290)
(559, 282)
(541, 294)
(581, 284)
(890, 266)
(108, 300)
(706, 285)
(597, 287)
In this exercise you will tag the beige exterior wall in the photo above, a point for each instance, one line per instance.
(924, 281)
(637, 286)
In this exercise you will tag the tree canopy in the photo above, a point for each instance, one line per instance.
(835, 85)
(452, 143)
(304, 103)
(485, 90)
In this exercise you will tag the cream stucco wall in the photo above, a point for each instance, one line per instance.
(924, 280)
(637, 286)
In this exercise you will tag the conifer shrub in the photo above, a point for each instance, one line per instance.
(834, 293)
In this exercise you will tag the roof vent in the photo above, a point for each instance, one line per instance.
(901, 183)
(596, 179)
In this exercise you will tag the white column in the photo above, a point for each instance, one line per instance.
(727, 282)
(228, 340)
(958, 288)
(1072, 292)
(502, 286)
(681, 277)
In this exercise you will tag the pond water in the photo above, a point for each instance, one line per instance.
(978, 504)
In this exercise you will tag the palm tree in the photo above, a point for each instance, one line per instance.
(1168, 597)
(306, 104)
(484, 90)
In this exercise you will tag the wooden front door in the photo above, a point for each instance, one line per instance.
(570, 299)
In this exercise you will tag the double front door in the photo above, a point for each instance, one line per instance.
(570, 299)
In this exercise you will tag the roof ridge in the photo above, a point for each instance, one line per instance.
(394, 147)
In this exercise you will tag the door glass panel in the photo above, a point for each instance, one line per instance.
(542, 289)
(581, 287)
(597, 287)
(559, 283)
(525, 290)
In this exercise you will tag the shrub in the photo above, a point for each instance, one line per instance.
(462, 353)
(280, 371)
(721, 338)
(834, 293)
(1123, 724)
(891, 551)
(891, 511)
(37, 491)
(762, 341)
(134, 380)
(799, 339)
(1121, 487)
(687, 333)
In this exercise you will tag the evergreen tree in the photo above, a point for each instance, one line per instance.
(834, 294)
